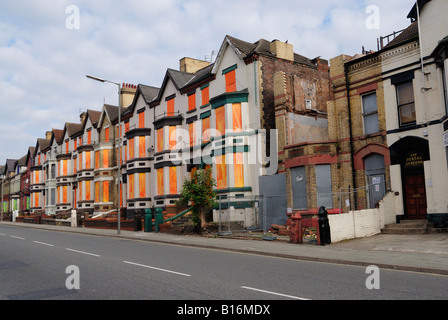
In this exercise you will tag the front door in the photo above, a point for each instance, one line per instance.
(415, 196)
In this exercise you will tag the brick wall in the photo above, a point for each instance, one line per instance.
(363, 223)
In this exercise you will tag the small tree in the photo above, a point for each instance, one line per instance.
(198, 194)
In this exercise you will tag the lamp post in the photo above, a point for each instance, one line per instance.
(119, 145)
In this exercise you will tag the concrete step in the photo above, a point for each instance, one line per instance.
(411, 227)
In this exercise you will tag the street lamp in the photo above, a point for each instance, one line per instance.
(2, 177)
(119, 144)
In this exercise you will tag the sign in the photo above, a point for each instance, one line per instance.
(414, 159)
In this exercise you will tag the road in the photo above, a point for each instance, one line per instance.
(38, 265)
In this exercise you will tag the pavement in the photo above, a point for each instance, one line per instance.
(427, 253)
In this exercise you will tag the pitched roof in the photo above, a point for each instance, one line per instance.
(262, 47)
(22, 161)
(94, 116)
(71, 129)
(413, 13)
(410, 33)
(10, 164)
(42, 143)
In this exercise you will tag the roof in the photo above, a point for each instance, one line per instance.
(71, 129)
(42, 143)
(10, 164)
(262, 47)
(94, 116)
(410, 33)
(22, 161)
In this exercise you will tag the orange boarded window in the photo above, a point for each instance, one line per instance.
(205, 129)
(76, 144)
(89, 137)
(192, 102)
(88, 160)
(64, 168)
(238, 170)
(221, 172)
(170, 107)
(87, 190)
(236, 115)
(36, 200)
(131, 186)
(141, 119)
(106, 191)
(230, 81)
(205, 95)
(97, 159)
(66, 147)
(221, 120)
(97, 192)
(107, 134)
(142, 185)
(64, 194)
(160, 190)
(105, 158)
(172, 137)
(173, 180)
(192, 132)
(131, 149)
(80, 190)
(160, 140)
(141, 147)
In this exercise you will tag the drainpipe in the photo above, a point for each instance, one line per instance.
(347, 86)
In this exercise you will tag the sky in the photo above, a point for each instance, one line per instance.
(48, 47)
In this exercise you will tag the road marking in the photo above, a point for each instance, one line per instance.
(2, 234)
(83, 252)
(43, 243)
(274, 293)
(164, 270)
(20, 238)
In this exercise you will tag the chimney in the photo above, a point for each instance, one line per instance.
(82, 117)
(127, 94)
(191, 65)
(282, 50)
(48, 135)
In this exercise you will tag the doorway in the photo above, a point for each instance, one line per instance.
(415, 196)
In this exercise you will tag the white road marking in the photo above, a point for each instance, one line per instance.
(20, 238)
(159, 269)
(275, 293)
(83, 252)
(43, 243)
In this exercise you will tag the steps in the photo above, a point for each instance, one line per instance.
(412, 227)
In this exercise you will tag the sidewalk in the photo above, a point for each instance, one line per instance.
(419, 253)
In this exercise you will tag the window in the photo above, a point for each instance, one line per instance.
(221, 172)
(106, 191)
(105, 158)
(142, 185)
(170, 107)
(106, 135)
(237, 119)
(220, 120)
(160, 140)
(370, 113)
(131, 149)
(173, 180)
(231, 81)
(405, 102)
(160, 186)
(141, 147)
(141, 119)
(205, 95)
(323, 186)
(172, 137)
(192, 132)
(238, 169)
(206, 129)
(131, 186)
(89, 137)
(192, 101)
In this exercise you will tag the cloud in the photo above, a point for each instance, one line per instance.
(43, 64)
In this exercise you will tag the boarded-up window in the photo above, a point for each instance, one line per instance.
(323, 186)
(221, 172)
(205, 95)
(236, 117)
(106, 191)
(206, 129)
(192, 101)
(131, 149)
(230, 81)
(220, 121)
(173, 180)
(170, 107)
(141, 147)
(160, 186)
(160, 140)
(142, 185)
(131, 186)
(238, 169)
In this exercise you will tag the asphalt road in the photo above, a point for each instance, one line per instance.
(33, 266)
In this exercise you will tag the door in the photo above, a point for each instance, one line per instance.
(298, 183)
(377, 189)
(415, 196)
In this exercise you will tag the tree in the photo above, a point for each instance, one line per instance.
(198, 194)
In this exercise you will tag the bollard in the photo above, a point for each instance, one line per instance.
(148, 220)
(158, 219)
(324, 227)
